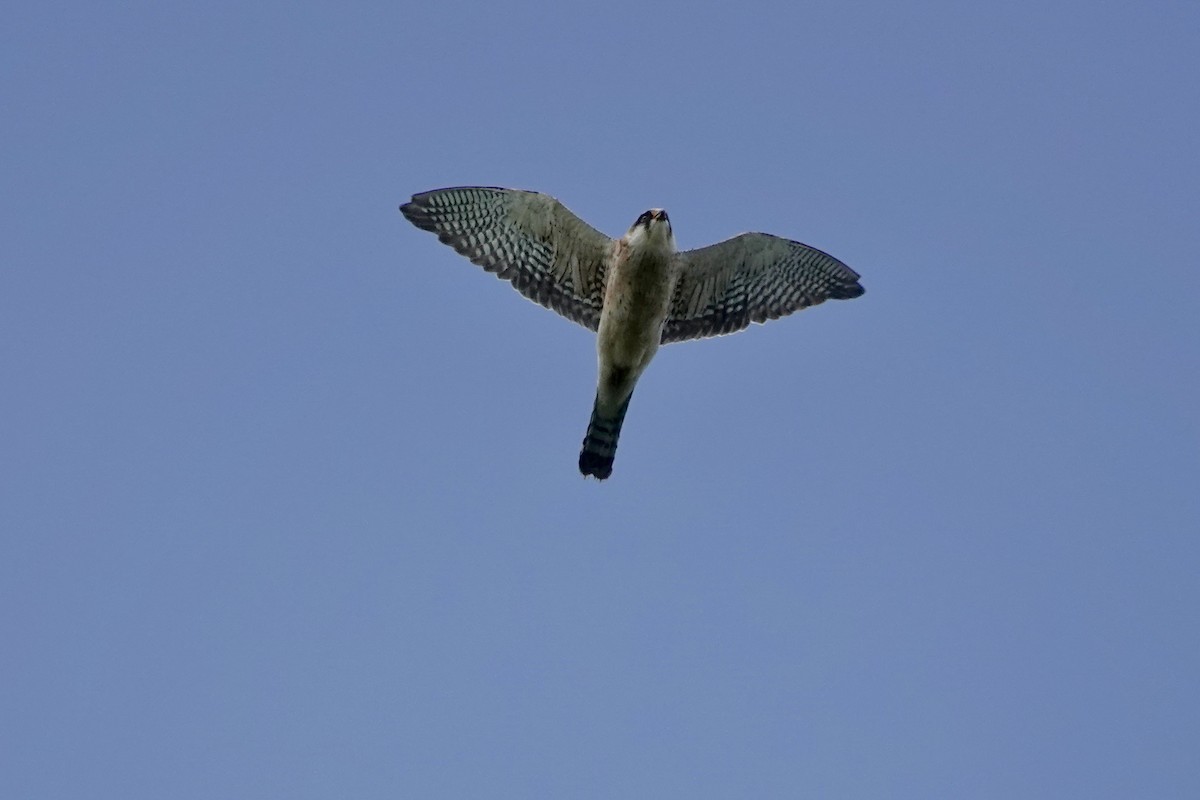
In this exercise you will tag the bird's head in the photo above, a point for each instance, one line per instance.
(653, 227)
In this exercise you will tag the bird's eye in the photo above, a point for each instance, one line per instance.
(644, 219)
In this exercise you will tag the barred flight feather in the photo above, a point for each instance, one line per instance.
(753, 277)
(527, 238)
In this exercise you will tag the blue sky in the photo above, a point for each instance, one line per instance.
(288, 496)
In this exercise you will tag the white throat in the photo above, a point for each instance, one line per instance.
(655, 236)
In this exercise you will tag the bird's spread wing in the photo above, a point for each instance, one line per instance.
(754, 277)
(550, 255)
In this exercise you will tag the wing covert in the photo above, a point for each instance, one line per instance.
(530, 239)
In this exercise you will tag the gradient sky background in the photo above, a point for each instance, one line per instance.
(289, 503)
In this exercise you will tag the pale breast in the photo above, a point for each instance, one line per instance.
(636, 302)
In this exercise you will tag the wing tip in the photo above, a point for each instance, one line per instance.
(418, 215)
(421, 209)
(848, 291)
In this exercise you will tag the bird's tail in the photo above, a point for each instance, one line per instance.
(600, 443)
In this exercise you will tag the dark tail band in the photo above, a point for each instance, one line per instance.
(600, 443)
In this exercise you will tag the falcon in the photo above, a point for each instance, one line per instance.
(635, 292)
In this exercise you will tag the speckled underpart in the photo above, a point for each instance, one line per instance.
(641, 279)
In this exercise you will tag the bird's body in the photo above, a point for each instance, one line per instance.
(636, 292)
(637, 299)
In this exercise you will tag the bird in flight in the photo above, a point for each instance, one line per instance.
(635, 292)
